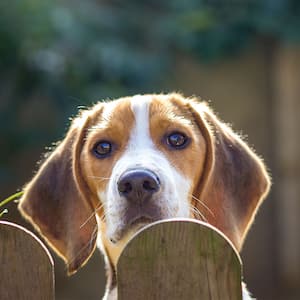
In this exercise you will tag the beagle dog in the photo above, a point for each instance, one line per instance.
(135, 160)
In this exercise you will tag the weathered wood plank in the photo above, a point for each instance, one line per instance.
(179, 259)
(26, 265)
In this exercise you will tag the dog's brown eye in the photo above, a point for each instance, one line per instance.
(177, 140)
(102, 149)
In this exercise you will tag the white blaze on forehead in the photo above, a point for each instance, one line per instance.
(140, 136)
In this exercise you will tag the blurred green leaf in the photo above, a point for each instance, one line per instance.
(11, 198)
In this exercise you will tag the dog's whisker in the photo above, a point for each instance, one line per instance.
(103, 217)
(198, 212)
(92, 215)
(99, 178)
(203, 204)
(100, 206)
(105, 213)
(88, 244)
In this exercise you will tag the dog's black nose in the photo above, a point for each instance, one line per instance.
(138, 185)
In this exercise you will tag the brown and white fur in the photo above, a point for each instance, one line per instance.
(132, 161)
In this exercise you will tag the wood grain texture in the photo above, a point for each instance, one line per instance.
(26, 265)
(179, 259)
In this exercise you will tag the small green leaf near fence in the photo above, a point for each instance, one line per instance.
(7, 200)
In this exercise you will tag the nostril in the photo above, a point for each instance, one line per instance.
(128, 187)
(147, 185)
(150, 185)
(125, 187)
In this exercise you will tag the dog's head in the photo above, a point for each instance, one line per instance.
(139, 159)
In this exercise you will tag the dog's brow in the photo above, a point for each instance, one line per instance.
(140, 136)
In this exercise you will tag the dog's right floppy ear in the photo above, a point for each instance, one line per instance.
(234, 181)
(55, 203)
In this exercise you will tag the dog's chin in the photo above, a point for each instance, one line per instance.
(127, 231)
(139, 223)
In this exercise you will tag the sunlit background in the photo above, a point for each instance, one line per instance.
(241, 55)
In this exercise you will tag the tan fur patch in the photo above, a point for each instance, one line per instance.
(113, 125)
(171, 116)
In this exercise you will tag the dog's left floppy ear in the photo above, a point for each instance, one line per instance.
(55, 200)
(234, 180)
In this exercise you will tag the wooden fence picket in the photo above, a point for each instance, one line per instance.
(179, 259)
(27, 271)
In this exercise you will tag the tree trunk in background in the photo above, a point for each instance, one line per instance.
(287, 110)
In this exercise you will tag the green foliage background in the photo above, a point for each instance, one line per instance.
(58, 55)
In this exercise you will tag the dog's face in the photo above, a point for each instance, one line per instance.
(139, 159)
(135, 160)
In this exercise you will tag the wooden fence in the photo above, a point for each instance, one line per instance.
(27, 271)
(178, 259)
